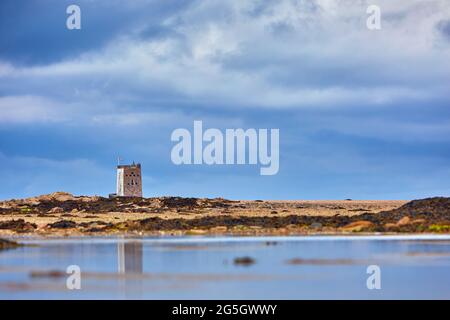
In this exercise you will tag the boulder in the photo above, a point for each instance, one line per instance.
(244, 261)
(19, 225)
(196, 232)
(404, 221)
(56, 210)
(7, 244)
(316, 225)
(357, 226)
(62, 224)
(219, 229)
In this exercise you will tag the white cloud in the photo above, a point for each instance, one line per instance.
(283, 54)
(30, 109)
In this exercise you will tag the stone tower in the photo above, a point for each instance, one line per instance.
(129, 180)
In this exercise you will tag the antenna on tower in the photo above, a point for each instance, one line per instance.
(118, 160)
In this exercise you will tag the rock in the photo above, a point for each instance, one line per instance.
(219, 229)
(55, 196)
(33, 202)
(74, 210)
(55, 210)
(61, 196)
(179, 202)
(7, 244)
(244, 261)
(48, 274)
(196, 232)
(403, 221)
(316, 225)
(95, 224)
(357, 226)
(62, 224)
(437, 208)
(19, 225)
(390, 225)
(90, 199)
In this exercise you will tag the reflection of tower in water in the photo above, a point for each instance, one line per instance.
(129, 257)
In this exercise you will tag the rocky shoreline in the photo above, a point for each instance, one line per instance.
(64, 214)
(8, 244)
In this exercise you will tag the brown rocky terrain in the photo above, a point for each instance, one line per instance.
(61, 213)
(7, 244)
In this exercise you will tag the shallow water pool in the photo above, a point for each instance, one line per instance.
(331, 267)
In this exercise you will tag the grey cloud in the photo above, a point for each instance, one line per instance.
(444, 27)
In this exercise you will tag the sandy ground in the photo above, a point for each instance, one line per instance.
(249, 208)
(258, 208)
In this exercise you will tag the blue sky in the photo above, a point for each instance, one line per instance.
(362, 114)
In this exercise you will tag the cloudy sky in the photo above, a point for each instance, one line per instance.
(362, 114)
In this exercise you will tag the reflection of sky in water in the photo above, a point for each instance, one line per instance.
(203, 268)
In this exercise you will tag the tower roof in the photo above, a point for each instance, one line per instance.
(134, 165)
